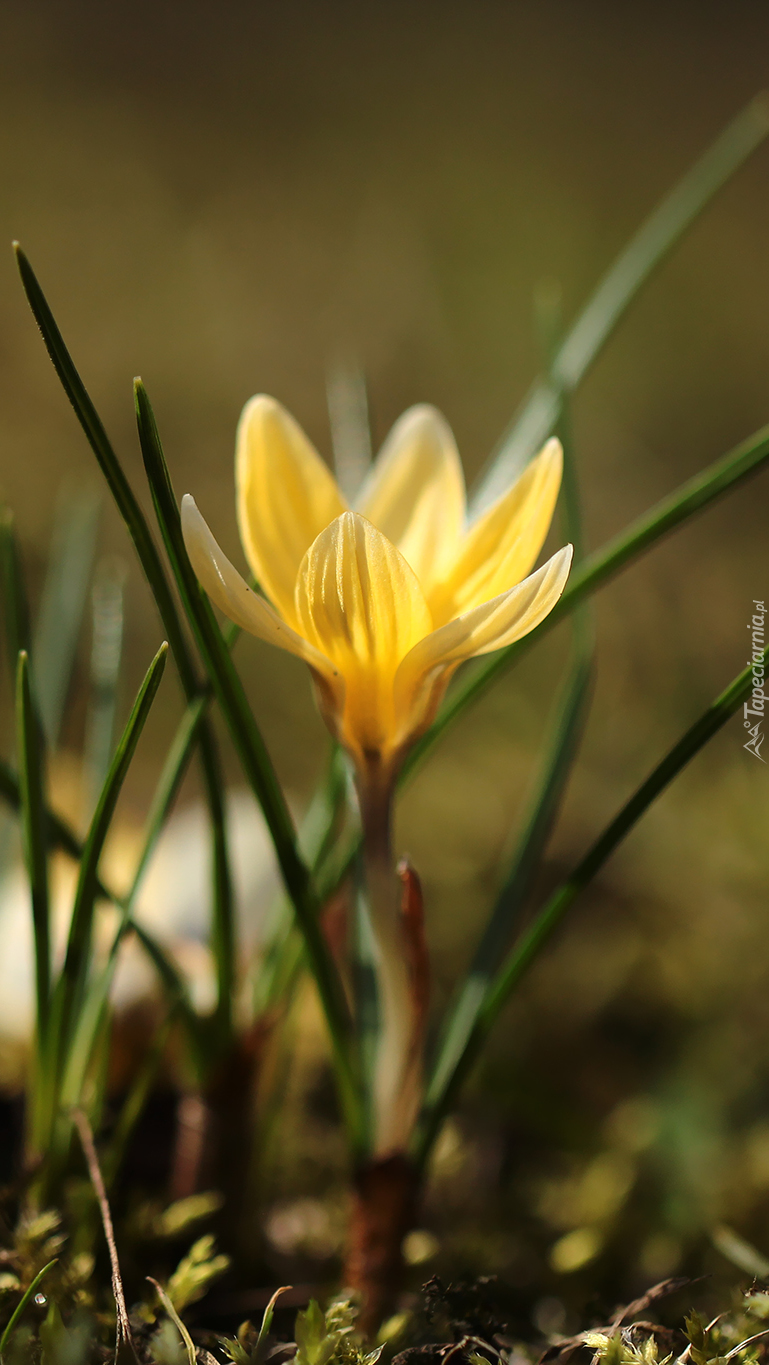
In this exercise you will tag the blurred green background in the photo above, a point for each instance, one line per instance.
(229, 199)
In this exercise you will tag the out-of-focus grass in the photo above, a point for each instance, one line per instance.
(229, 204)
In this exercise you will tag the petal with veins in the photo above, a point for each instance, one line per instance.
(415, 493)
(502, 546)
(360, 604)
(286, 495)
(233, 596)
(493, 625)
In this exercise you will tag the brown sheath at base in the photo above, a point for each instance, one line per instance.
(382, 1213)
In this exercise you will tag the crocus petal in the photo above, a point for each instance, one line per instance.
(424, 673)
(501, 547)
(360, 604)
(233, 596)
(285, 496)
(415, 493)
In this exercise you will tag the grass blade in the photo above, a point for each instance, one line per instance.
(693, 496)
(62, 836)
(254, 759)
(73, 977)
(110, 466)
(570, 713)
(35, 840)
(189, 1344)
(62, 605)
(552, 913)
(21, 1305)
(155, 573)
(654, 240)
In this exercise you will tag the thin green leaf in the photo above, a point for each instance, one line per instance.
(255, 760)
(155, 573)
(569, 716)
(35, 840)
(693, 496)
(77, 959)
(62, 605)
(525, 952)
(620, 285)
(176, 1320)
(62, 836)
(21, 1305)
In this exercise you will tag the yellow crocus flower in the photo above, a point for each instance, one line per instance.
(385, 600)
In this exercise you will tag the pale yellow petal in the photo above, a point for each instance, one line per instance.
(425, 671)
(285, 497)
(415, 493)
(359, 603)
(232, 595)
(502, 546)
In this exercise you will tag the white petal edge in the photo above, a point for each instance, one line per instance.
(232, 595)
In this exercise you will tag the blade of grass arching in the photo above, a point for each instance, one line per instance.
(35, 837)
(256, 763)
(106, 655)
(693, 496)
(155, 573)
(168, 785)
(62, 836)
(560, 750)
(654, 240)
(525, 952)
(15, 607)
(71, 984)
(63, 603)
(21, 1305)
(110, 466)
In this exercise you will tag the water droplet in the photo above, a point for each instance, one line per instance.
(40, 1300)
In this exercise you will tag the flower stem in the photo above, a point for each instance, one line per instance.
(394, 1098)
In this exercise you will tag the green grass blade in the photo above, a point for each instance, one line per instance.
(111, 468)
(560, 750)
(21, 1305)
(106, 655)
(78, 955)
(692, 497)
(154, 571)
(189, 1344)
(35, 840)
(254, 759)
(550, 916)
(62, 836)
(171, 777)
(15, 607)
(63, 604)
(622, 282)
